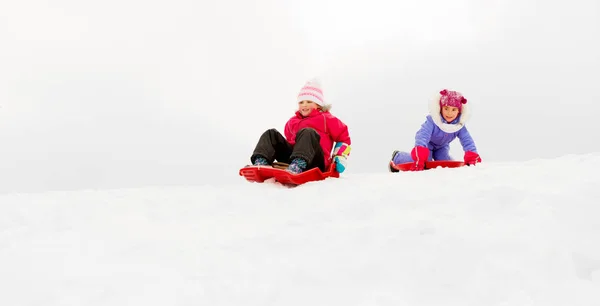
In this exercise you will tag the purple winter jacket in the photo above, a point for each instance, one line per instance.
(437, 139)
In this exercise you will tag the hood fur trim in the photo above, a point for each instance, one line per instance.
(435, 112)
(326, 107)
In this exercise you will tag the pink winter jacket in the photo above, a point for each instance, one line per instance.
(330, 128)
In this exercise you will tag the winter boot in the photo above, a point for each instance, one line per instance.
(260, 161)
(297, 166)
(390, 163)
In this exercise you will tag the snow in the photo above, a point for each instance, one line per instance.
(495, 234)
(123, 125)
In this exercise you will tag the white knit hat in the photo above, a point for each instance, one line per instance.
(312, 91)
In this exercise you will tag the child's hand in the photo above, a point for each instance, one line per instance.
(340, 163)
(340, 158)
(420, 156)
(471, 158)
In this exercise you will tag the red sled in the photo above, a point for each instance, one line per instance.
(259, 174)
(429, 165)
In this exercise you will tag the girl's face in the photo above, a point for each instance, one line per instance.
(305, 107)
(449, 113)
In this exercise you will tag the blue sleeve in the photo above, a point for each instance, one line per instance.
(466, 140)
(424, 134)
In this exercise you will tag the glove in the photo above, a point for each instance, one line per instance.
(341, 151)
(471, 158)
(340, 163)
(419, 155)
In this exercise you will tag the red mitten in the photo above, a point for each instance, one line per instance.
(471, 158)
(420, 156)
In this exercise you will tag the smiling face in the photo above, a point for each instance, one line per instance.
(449, 113)
(305, 107)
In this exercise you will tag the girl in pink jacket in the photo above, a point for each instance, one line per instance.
(312, 136)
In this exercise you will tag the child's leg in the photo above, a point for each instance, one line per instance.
(442, 153)
(272, 146)
(405, 157)
(308, 148)
(402, 157)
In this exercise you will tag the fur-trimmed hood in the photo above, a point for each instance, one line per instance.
(435, 112)
(326, 107)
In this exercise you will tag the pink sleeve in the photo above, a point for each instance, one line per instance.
(289, 135)
(338, 130)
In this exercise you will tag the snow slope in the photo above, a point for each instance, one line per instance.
(497, 234)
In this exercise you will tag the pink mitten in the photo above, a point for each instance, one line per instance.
(471, 158)
(420, 156)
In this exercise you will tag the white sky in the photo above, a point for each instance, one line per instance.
(128, 93)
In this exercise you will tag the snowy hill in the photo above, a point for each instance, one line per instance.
(496, 234)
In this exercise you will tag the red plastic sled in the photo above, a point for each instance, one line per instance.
(429, 165)
(261, 173)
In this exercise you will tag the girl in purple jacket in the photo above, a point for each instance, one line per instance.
(446, 121)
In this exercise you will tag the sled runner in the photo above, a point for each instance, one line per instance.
(429, 165)
(259, 174)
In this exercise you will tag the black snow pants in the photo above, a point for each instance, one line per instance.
(273, 146)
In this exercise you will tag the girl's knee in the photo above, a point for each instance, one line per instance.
(308, 130)
(402, 157)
